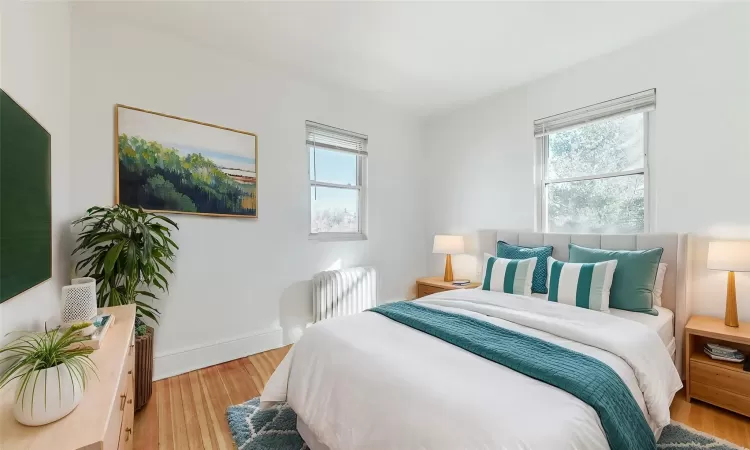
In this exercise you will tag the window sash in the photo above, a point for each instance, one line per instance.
(335, 185)
(360, 204)
(361, 212)
(543, 161)
(325, 137)
(591, 176)
(595, 177)
(548, 220)
(357, 178)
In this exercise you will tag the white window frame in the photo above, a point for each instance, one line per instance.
(360, 187)
(595, 114)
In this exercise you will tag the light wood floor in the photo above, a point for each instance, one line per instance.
(712, 420)
(187, 411)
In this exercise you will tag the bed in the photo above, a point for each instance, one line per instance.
(662, 324)
(368, 382)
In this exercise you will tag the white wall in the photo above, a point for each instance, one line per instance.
(240, 282)
(35, 71)
(242, 285)
(482, 155)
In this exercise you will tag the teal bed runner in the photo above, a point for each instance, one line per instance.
(585, 377)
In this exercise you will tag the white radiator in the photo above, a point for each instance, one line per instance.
(343, 292)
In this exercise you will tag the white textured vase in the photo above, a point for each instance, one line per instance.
(53, 403)
(79, 301)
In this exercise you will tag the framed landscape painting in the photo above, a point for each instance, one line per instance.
(170, 164)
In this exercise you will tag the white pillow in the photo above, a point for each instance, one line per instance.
(659, 283)
(512, 276)
(585, 285)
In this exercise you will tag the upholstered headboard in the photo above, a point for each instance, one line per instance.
(674, 295)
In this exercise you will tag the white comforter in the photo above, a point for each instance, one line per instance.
(367, 382)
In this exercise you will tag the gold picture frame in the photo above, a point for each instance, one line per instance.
(236, 179)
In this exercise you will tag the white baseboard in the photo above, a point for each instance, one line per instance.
(193, 358)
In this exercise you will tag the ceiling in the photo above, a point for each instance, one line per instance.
(424, 56)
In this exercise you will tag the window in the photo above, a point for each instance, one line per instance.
(593, 176)
(338, 169)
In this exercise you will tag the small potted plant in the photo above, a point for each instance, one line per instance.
(51, 370)
(125, 249)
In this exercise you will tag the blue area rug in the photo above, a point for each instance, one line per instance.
(276, 429)
(677, 436)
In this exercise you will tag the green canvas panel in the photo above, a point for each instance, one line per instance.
(25, 200)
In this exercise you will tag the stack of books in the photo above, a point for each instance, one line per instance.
(723, 353)
(461, 283)
(102, 323)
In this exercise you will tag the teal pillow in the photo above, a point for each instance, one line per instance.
(585, 285)
(512, 276)
(633, 283)
(539, 281)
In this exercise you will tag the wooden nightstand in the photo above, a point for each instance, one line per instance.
(720, 383)
(431, 285)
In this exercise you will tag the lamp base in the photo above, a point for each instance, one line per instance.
(448, 276)
(730, 315)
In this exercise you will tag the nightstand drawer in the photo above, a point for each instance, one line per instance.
(724, 379)
(719, 397)
(423, 290)
(433, 285)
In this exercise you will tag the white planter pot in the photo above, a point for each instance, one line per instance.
(61, 396)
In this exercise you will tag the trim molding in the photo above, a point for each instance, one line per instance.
(177, 362)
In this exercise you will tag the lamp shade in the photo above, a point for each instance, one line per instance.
(448, 244)
(729, 255)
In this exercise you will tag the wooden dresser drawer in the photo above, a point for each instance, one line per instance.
(126, 429)
(119, 414)
(719, 397)
(423, 290)
(725, 379)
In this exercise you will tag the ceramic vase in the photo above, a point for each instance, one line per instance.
(48, 397)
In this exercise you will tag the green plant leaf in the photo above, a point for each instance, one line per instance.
(166, 219)
(143, 305)
(147, 313)
(112, 255)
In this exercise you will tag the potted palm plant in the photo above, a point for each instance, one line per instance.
(52, 370)
(125, 250)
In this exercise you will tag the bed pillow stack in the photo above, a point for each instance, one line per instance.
(584, 285)
(592, 278)
(512, 276)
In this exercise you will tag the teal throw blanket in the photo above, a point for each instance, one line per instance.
(585, 377)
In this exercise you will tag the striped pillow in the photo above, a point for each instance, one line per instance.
(585, 285)
(512, 276)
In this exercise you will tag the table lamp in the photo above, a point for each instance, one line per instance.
(732, 256)
(448, 245)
